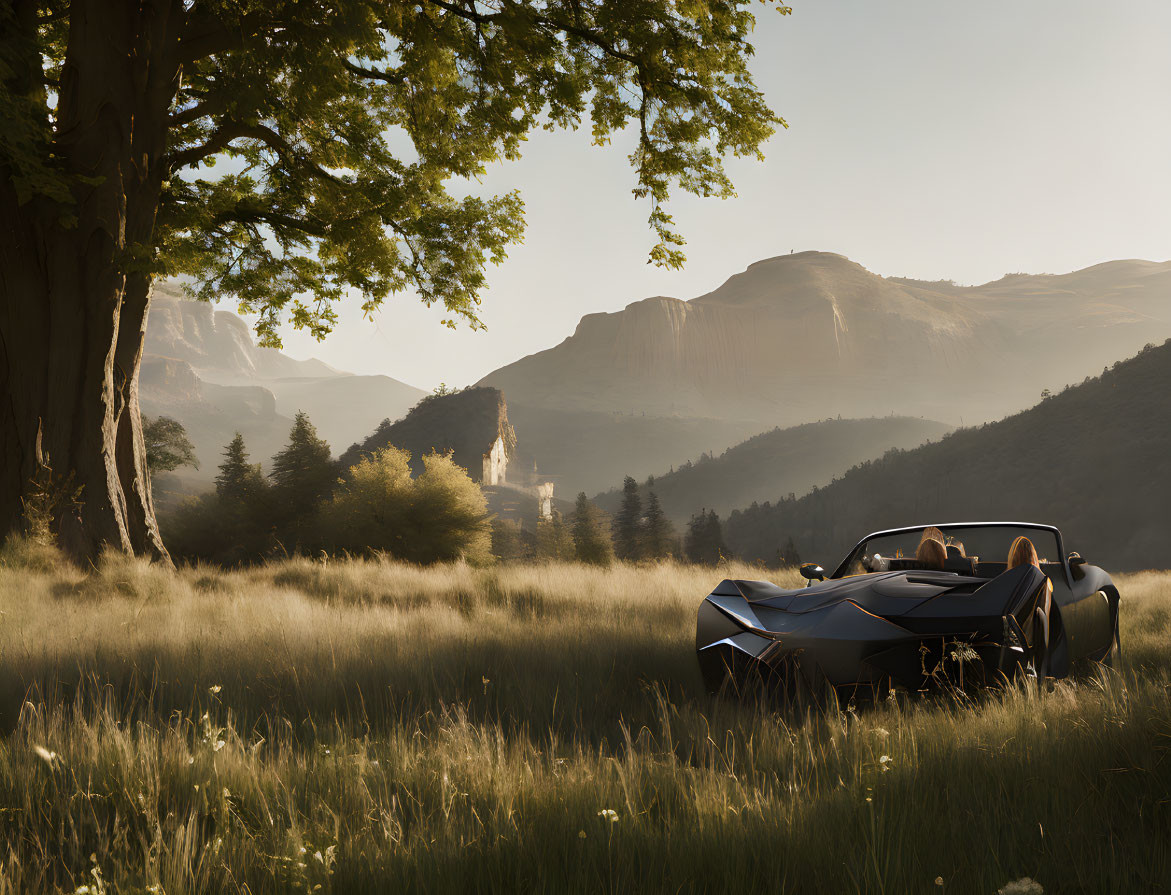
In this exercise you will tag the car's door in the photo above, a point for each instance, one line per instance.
(1085, 615)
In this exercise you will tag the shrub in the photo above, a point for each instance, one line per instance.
(437, 517)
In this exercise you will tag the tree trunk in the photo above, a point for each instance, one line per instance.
(74, 294)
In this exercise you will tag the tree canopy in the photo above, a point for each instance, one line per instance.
(167, 444)
(312, 147)
(282, 154)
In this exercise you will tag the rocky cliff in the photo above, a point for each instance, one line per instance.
(467, 423)
(217, 343)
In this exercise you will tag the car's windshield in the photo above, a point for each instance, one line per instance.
(964, 548)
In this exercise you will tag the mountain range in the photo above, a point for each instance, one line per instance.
(800, 337)
(202, 367)
(778, 463)
(1094, 459)
(814, 335)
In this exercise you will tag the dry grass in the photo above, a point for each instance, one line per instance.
(379, 727)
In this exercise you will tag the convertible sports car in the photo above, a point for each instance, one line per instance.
(885, 619)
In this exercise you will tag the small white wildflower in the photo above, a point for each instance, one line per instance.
(609, 814)
(226, 794)
(318, 857)
(213, 690)
(301, 850)
(190, 759)
(1026, 885)
(45, 755)
(885, 761)
(219, 744)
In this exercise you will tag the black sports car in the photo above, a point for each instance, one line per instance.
(885, 618)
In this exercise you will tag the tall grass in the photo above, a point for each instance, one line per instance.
(368, 726)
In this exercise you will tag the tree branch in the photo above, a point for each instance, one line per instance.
(374, 74)
(245, 214)
(234, 130)
(191, 114)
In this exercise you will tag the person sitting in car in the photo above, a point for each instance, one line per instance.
(931, 554)
(1022, 553)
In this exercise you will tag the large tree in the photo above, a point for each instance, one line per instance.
(341, 125)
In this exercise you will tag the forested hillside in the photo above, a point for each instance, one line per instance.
(776, 463)
(1094, 460)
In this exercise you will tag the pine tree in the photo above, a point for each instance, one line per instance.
(554, 540)
(591, 537)
(705, 538)
(302, 473)
(238, 479)
(658, 534)
(628, 534)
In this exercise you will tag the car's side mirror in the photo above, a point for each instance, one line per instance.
(1076, 561)
(811, 571)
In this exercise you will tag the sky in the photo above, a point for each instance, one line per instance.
(936, 140)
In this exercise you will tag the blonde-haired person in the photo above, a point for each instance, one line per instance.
(1022, 553)
(934, 534)
(931, 554)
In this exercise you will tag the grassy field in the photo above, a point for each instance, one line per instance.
(368, 727)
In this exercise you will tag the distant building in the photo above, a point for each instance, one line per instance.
(545, 501)
(495, 463)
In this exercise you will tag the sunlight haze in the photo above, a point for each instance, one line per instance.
(931, 140)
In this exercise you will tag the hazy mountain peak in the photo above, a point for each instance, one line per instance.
(811, 334)
(203, 367)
